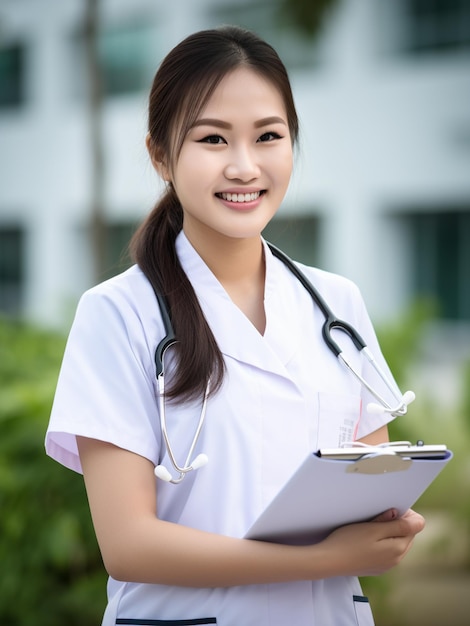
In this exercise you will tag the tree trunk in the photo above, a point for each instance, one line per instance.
(97, 223)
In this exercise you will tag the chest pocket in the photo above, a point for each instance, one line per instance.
(338, 419)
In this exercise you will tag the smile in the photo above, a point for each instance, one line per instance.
(239, 197)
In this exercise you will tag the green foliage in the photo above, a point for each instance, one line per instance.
(52, 573)
(305, 16)
(466, 395)
(400, 341)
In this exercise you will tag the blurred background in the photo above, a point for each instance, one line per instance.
(381, 194)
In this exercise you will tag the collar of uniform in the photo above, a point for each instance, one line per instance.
(235, 334)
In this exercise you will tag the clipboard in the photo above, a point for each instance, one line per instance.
(339, 486)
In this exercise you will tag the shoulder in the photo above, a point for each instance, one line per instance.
(124, 287)
(123, 308)
(335, 283)
(127, 295)
(339, 292)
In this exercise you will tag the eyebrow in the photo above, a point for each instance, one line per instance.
(265, 121)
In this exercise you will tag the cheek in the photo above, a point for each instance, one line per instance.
(196, 167)
(186, 172)
(282, 166)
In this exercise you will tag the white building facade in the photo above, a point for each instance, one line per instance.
(381, 191)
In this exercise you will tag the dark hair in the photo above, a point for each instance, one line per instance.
(182, 86)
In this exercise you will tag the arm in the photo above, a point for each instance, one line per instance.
(137, 546)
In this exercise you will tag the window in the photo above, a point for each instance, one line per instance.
(441, 248)
(118, 237)
(126, 59)
(296, 236)
(431, 25)
(11, 76)
(262, 17)
(11, 269)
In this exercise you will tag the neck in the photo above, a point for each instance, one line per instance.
(239, 266)
(236, 261)
(230, 259)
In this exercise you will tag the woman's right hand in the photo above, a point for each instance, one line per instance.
(372, 548)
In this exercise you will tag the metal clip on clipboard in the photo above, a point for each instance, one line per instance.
(379, 463)
(390, 457)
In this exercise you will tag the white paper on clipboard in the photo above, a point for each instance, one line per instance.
(326, 493)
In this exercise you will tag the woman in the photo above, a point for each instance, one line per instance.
(222, 125)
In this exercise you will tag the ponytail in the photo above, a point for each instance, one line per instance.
(153, 248)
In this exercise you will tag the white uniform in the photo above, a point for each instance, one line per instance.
(284, 395)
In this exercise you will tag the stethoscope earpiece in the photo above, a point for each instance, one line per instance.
(379, 409)
(162, 472)
(200, 461)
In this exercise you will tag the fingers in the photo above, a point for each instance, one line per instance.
(409, 525)
(413, 522)
(386, 516)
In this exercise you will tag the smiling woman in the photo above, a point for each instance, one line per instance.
(248, 357)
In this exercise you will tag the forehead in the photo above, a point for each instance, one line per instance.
(245, 93)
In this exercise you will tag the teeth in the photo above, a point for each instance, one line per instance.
(240, 197)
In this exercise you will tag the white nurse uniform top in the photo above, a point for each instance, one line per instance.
(284, 395)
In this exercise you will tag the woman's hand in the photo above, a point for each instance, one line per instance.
(372, 548)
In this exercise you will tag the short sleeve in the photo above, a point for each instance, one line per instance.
(106, 387)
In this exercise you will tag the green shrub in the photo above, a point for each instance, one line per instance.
(466, 395)
(51, 568)
(400, 341)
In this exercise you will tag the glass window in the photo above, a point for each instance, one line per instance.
(436, 24)
(128, 55)
(118, 237)
(126, 59)
(296, 236)
(11, 269)
(11, 76)
(262, 17)
(441, 249)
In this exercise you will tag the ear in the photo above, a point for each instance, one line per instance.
(157, 159)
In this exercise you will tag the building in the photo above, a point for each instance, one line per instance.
(382, 185)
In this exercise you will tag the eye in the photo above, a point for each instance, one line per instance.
(212, 139)
(269, 136)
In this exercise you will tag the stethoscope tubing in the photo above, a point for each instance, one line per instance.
(169, 338)
(187, 467)
(331, 322)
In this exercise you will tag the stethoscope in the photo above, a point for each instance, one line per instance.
(331, 322)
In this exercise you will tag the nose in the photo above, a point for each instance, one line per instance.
(242, 165)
